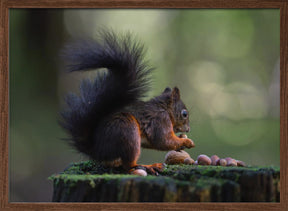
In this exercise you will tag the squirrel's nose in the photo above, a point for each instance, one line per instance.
(188, 129)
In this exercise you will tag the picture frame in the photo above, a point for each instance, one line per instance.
(282, 5)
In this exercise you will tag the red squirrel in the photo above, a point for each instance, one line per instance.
(108, 121)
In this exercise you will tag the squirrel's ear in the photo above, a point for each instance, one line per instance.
(167, 95)
(176, 94)
(167, 90)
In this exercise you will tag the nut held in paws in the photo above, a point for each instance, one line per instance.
(183, 136)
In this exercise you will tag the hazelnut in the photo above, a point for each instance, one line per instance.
(221, 162)
(240, 163)
(188, 161)
(214, 159)
(231, 161)
(176, 157)
(182, 136)
(139, 172)
(204, 160)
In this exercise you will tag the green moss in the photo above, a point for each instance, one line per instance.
(72, 177)
(176, 183)
(52, 177)
(212, 170)
(226, 173)
(198, 176)
(93, 168)
(92, 183)
(90, 170)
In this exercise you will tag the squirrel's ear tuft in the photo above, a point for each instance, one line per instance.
(176, 94)
(167, 90)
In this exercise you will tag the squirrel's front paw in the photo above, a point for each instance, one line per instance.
(188, 143)
(185, 143)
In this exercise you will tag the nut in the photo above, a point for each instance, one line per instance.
(221, 162)
(231, 161)
(204, 160)
(214, 159)
(188, 161)
(139, 172)
(182, 136)
(240, 163)
(176, 157)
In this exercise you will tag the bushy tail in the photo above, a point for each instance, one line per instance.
(124, 83)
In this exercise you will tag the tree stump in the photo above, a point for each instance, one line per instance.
(90, 182)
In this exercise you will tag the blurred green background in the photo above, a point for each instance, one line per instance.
(225, 62)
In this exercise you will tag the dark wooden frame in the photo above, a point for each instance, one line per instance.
(5, 5)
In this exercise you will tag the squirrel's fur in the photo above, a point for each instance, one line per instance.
(107, 120)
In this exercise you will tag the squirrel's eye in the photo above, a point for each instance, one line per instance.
(184, 113)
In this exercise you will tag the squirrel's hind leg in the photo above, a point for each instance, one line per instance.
(128, 139)
(125, 131)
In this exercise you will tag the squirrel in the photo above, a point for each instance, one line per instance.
(108, 121)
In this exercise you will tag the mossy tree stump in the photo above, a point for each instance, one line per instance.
(91, 182)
